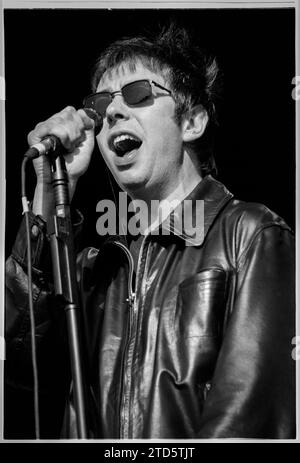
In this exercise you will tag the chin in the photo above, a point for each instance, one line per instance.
(133, 184)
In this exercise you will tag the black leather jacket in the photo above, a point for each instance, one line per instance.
(199, 348)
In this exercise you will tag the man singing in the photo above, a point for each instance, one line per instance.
(188, 334)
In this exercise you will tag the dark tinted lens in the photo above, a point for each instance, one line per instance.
(99, 102)
(136, 92)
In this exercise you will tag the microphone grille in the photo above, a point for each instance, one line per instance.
(97, 118)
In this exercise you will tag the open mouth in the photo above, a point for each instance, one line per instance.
(125, 143)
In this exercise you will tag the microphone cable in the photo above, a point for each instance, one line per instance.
(30, 301)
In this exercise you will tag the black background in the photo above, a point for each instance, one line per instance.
(49, 55)
(48, 59)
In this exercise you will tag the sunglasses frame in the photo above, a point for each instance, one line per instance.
(120, 92)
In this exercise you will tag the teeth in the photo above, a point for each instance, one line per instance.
(123, 137)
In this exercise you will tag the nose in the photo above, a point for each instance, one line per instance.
(117, 109)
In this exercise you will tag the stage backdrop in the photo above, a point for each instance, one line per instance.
(49, 55)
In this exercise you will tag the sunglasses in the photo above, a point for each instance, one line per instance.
(134, 93)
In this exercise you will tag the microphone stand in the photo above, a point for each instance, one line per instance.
(64, 272)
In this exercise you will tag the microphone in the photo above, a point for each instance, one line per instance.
(52, 143)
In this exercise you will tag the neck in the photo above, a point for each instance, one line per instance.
(181, 181)
(162, 202)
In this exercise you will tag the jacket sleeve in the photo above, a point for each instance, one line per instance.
(252, 391)
(50, 335)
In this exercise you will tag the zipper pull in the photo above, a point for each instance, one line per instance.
(131, 300)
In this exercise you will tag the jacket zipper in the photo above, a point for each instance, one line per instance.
(131, 306)
(128, 356)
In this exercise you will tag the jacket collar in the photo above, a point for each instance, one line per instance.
(206, 201)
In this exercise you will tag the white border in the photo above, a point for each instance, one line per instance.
(297, 212)
(10, 4)
(146, 4)
(2, 212)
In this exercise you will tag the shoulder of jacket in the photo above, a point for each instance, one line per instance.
(245, 222)
(251, 215)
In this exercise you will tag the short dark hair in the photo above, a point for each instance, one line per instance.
(192, 74)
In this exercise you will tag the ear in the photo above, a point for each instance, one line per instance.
(194, 124)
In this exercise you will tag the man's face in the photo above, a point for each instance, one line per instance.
(151, 170)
